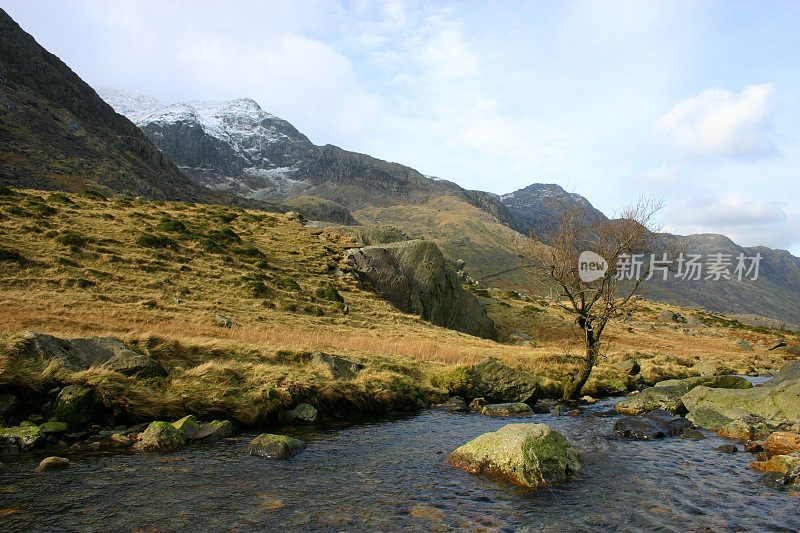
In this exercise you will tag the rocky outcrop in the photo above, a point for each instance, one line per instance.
(275, 446)
(777, 399)
(524, 454)
(415, 278)
(313, 208)
(104, 352)
(340, 367)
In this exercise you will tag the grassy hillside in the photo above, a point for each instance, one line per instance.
(156, 274)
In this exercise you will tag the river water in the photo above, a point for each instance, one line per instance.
(391, 474)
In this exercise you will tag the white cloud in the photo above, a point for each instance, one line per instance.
(661, 179)
(719, 122)
(746, 221)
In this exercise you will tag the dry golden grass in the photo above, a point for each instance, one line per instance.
(83, 268)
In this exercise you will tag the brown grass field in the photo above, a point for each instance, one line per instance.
(156, 274)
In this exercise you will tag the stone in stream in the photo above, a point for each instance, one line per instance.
(75, 405)
(51, 464)
(161, 437)
(654, 398)
(728, 448)
(215, 428)
(54, 427)
(454, 404)
(776, 399)
(23, 437)
(506, 409)
(724, 381)
(708, 419)
(744, 430)
(524, 454)
(275, 446)
(188, 425)
(781, 443)
(653, 425)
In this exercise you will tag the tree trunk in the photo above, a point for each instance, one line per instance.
(573, 388)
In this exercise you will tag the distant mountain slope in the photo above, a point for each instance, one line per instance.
(238, 147)
(56, 133)
(538, 206)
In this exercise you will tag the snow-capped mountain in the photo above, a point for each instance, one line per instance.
(234, 145)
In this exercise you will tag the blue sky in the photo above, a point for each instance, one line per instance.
(696, 102)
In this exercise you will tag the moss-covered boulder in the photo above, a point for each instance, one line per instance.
(493, 381)
(303, 412)
(524, 454)
(653, 398)
(506, 409)
(780, 401)
(415, 278)
(188, 425)
(23, 437)
(161, 437)
(275, 446)
(75, 405)
(54, 427)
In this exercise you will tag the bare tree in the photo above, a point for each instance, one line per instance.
(630, 248)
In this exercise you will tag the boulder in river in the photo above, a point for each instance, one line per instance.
(653, 425)
(724, 381)
(75, 405)
(653, 398)
(744, 430)
(215, 428)
(506, 409)
(105, 352)
(524, 454)
(708, 419)
(498, 383)
(415, 278)
(275, 446)
(50, 464)
(777, 399)
(781, 443)
(161, 437)
(188, 425)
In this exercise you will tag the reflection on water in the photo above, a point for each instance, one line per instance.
(391, 475)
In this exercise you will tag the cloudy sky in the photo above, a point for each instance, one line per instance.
(696, 102)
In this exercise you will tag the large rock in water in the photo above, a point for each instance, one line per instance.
(653, 425)
(724, 381)
(777, 399)
(524, 454)
(275, 446)
(105, 352)
(653, 398)
(161, 437)
(415, 278)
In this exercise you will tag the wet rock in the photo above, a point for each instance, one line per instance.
(188, 425)
(775, 480)
(779, 463)
(708, 419)
(654, 398)
(340, 367)
(477, 404)
(453, 404)
(24, 437)
(8, 446)
(161, 437)
(105, 352)
(753, 446)
(304, 412)
(119, 439)
(690, 433)
(782, 442)
(524, 454)
(499, 383)
(744, 430)
(728, 448)
(75, 405)
(506, 409)
(653, 425)
(51, 464)
(215, 428)
(543, 407)
(275, 446)
(588, 400)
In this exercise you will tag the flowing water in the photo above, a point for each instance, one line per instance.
(391, 474)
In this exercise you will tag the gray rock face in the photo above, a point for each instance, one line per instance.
(105, 352)
(275, 446)
(415, 278)
(340, 367)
